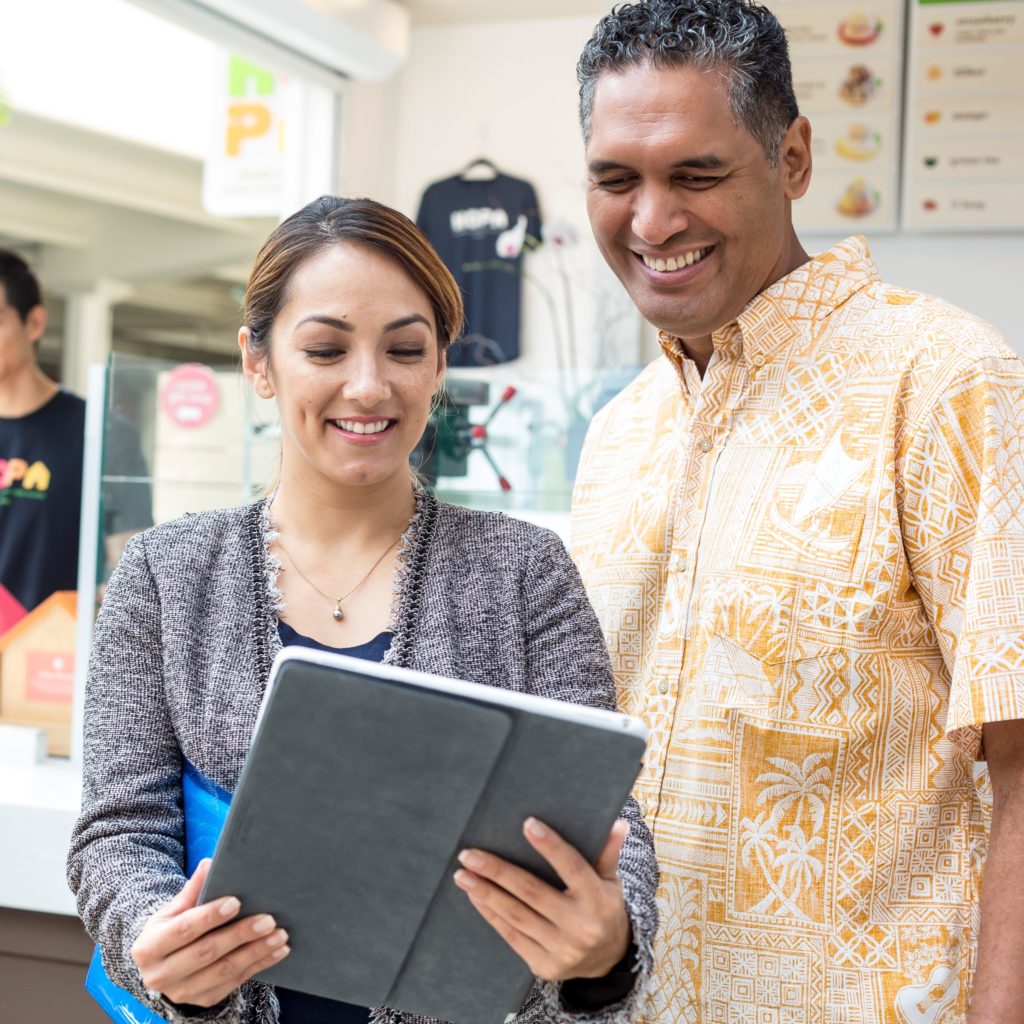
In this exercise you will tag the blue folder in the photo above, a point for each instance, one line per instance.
(206, 807)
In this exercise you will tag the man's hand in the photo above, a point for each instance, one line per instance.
(200, 955)
(582, 932)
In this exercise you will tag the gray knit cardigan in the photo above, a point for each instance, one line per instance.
(180, 658)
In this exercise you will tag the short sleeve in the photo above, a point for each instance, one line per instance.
(960, 477)
(533, 215)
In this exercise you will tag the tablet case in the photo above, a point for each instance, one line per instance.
(356, 798)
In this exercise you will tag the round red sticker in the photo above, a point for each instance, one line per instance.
(190, 395)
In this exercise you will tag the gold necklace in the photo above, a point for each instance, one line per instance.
(337, 613)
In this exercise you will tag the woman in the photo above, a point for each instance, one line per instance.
(348, 315)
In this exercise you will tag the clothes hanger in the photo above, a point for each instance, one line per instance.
(480, 169)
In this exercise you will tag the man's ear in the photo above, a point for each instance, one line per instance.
(255, 365)
(795, 157)
(35, 323)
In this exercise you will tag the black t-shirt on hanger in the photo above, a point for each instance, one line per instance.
(480, 228)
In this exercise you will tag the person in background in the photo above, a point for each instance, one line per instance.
(812, 579)
(348, 315)
(42, 434)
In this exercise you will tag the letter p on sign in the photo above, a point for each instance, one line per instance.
(246, 121)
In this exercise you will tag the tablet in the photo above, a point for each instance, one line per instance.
(362, 784)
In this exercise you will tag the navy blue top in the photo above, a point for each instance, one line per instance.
(300, 1007)
(372, 650)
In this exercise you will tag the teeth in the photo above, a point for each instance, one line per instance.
(362, 428)
(676, 262)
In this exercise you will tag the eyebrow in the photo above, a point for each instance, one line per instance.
(344, 325)
(707, 162)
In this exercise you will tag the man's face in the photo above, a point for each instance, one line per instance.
(683, 202)
(18, 337)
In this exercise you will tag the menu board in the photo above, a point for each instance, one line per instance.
(965, 116)
(846, 57)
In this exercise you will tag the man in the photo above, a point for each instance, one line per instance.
(42, 430)
(812, 586)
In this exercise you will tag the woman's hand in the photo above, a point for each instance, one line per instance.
(199, 955)
(582, 932)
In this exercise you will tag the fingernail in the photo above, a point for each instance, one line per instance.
(279, 938)
(535, 828)
(230, 906)
(471, 859)
(263, 924)
(465, 880)
(283, 951)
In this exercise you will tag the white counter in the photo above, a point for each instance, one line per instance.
(38, 807)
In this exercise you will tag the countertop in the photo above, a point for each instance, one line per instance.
(38, 807)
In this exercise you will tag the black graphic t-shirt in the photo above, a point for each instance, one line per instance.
(480, 229)
(41, 494)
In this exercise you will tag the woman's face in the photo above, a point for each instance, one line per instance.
(353, 364)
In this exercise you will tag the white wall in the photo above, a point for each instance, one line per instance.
(509, 90)
(980, 273)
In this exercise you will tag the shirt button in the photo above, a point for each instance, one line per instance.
(643, 808)
(705, 444)
(664, 686)
(758, 360)
(680, 564)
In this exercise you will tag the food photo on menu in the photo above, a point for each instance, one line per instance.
(859, 85)
(859, 29)
(859, 199)
(859, 143)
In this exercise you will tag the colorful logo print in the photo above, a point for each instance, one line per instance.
(34, 477)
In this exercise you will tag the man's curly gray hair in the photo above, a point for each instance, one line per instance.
(740, 38)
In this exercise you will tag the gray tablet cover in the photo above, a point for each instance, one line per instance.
(357, 796)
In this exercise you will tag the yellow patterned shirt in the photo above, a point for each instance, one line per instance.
(809, 566)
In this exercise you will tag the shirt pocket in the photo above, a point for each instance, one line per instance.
(805, 515)
(795, 542)
(776, 665)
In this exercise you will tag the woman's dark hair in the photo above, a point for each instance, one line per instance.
(327, 221)
(21, 286)
(741, 38)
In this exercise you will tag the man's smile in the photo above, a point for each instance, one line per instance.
(686, 258)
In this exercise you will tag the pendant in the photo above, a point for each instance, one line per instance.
(338, 613)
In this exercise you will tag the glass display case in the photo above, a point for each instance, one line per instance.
(162, 438)
(179, 438)
(500, 439)
(175, 438)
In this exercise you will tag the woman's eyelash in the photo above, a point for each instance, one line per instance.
(330, 353)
